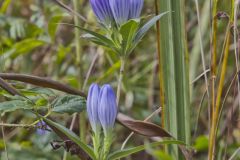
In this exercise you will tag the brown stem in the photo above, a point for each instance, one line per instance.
(42, 82)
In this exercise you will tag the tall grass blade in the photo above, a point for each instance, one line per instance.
(175, 71)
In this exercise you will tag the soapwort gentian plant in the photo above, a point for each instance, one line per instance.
(102, 112)
(121, 21)
(123, 30)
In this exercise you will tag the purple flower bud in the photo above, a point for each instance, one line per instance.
(92, 106)
(107, 111)
(120, 10)
(135, 8)
(102, 10)
(42, 128)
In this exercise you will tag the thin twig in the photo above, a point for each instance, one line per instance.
(199, 112)
(18, 125)
(234, 154)
(198, 77)
(90, 70)
(202, 51)
(236, 51)
(71, 11)
(4, 142)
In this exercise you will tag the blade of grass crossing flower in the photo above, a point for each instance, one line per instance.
(127, 152)
(175, 71)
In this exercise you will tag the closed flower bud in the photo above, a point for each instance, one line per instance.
(135, 8)
(102, 10)
(120, 10)
(107, 108)
(92, 107)
(42, 128)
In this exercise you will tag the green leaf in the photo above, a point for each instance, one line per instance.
(127, 152)
(10, 106)
(73, 137)
(23, 47)
(159, 155)
(95, 40)
(115, 67)
(143, 30)
(174, 62)
(201, 143)
(38, 91)
(100, 38)
(4, 6)
(128, 31)
(53, 24)
(69, 104)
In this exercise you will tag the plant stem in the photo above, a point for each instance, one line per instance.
(213, 73)
(121, 73)
(82, 120)
(96, 144)
(212, 137)
(108, 138)
(215, 115)
(160, 72)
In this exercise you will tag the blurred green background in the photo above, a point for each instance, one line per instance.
(33, 42)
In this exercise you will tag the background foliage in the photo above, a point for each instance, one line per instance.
(33, 42)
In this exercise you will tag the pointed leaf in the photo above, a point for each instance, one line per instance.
(69, 134)
(10, 106)
(128, 31)
(53, 24)
(95, 40)
(142, 31)
(69, 104)
(103, 38)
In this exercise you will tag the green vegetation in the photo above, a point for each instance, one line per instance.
(175, 72)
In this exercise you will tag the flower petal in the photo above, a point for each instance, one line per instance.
(135, 8)
(107, 107)
(120, 10)
(102, 10)
(92, 106)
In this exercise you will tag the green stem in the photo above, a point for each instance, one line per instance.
(108, 138)
(160, 72)
(215, 114)
(121, 73)
(96, 144)
(82, 120)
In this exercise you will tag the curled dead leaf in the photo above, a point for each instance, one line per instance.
(143, 128)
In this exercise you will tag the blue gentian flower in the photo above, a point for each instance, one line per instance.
(102, 10)
(135, 8)
(120, 10)
(110, 12)
(92, 106)
(107, 111)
